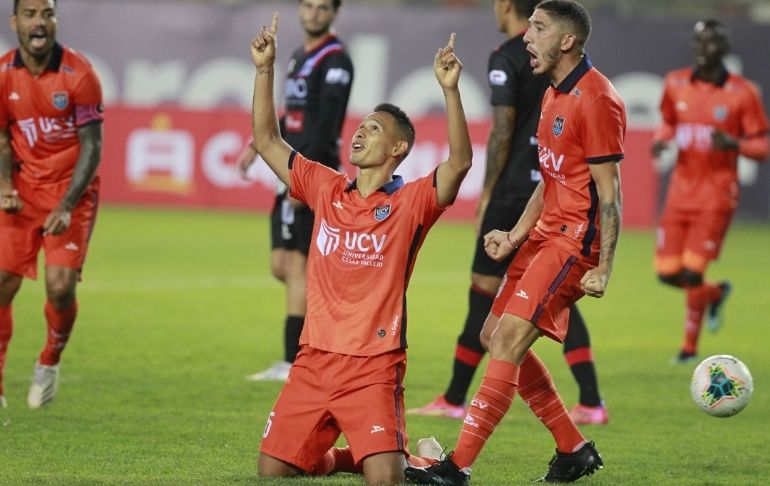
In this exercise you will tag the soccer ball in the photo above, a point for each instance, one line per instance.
(721, 385)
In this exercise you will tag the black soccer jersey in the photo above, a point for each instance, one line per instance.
(317, 91)
(513, 84)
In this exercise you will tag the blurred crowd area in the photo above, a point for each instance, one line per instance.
(755, 10)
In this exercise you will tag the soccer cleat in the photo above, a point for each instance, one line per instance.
(716, 309)
(429, 448)
(4, 404)
(585, 415)
(683, 358)
(439, 408)
(565, 468)
(45, 383)
(278, 372)
(442, 473)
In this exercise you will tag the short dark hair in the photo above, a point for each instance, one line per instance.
(572, 12)
(335, 3)
(16, 5)
(524, 8)
(402, 121)
(718, 28)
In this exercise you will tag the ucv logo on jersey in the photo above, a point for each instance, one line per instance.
(381, 212)
(558, 125)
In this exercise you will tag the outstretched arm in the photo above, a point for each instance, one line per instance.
(267, 137)
(450, 173)
(607, 178)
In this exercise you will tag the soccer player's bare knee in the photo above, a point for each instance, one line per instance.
(268, 466)
(60, 286)
(9, 285)
(512, 337)
(385, 468)
(486, 332)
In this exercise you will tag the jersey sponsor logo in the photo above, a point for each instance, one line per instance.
(497, 77)
(521, 293)
(51, 129)
(60, 100)
(337, 204)
(576, 92)
(549, 159)
(294, 121)
(558, 125)
(694, 136)
(381, 212)
(328, 239)
(720, 113)
(296, 88)
(268, 425)
(377, 428)
(71, 246)
(337, 76)
(14, 96)
(381, 333)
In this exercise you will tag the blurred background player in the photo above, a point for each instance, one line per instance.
(714, 116)
(318, 82)
(50, 146)
(568, 235)
(368, 233)
(512, 173)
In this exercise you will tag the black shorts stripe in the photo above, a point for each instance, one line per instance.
(399, 391)
(553, 288)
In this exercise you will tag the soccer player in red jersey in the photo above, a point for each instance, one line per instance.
(366, 236)
(713, 116)
(50, 147)
(567, 237)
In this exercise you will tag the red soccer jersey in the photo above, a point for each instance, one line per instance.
(704, 178)
(361, 258)
(44, 113)
(583, 121)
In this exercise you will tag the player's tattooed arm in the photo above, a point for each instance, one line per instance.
(610, 222)
(90, 154)
(498, 147)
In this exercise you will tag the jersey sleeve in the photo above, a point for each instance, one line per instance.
(753, 118)
(426, 207)
(307, 177)
(503, 80)
(603, 129)
(87, 100)
(667, 127)
(336, 78)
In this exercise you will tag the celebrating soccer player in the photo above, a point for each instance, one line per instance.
(567, 237)
(366, 236)
(714, 117)
(50, 145)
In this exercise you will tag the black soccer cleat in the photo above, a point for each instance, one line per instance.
(442, 473)
(565, 468)
(716, 308)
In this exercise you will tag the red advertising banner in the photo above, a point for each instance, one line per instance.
(183, 158)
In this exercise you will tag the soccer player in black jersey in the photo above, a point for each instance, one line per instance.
(512, 173)
(318, 82)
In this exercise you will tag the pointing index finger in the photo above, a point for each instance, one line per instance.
(274, 25)
(451, 44)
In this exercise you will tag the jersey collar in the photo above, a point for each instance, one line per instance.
(388, 188)
(572, 78)
(721, 80)
(53, 65)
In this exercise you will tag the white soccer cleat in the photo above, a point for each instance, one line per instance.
(278, 372)
(3, 403)
(44, 385)
(429, 447)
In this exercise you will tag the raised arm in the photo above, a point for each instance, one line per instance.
(607, 179)
(267, 137)
(450, 173)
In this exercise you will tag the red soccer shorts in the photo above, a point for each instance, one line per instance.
(328, 394)
(541, 283)
(690, 240)
(23, 234)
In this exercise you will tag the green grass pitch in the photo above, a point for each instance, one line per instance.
(176, 307)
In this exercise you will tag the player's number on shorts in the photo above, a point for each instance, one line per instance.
(268, 425)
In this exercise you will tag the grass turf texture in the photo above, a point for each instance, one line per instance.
(176, 307)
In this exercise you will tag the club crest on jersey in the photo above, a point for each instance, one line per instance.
(60, 100)
(381, 212)
(720, 113)
(558, 125)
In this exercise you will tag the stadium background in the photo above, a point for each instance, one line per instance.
(177, 84)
